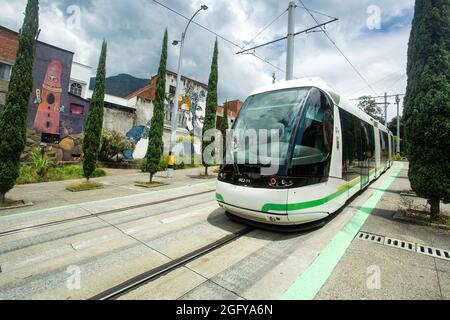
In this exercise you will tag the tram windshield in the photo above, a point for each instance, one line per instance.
(269, 113)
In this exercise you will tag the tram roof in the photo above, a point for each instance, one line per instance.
(322, 85)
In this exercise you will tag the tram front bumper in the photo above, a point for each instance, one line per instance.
(248, 203)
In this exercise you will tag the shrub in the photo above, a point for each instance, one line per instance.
(113, 145)
(40, 161)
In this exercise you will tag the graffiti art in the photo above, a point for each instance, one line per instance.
(48, 113)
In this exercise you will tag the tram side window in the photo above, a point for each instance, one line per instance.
(351, 146)
(384, 147)
(371, 146)
(314, 140)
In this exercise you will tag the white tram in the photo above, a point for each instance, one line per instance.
(329, 150)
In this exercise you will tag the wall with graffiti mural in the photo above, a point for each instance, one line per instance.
(55, 116)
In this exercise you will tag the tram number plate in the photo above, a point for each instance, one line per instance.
(244, 181)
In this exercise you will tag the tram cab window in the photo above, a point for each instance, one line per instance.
(311, 154)
(314, 139)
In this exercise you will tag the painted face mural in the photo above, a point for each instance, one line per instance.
(48, 113)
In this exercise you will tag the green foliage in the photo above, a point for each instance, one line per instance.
(113, 145)
(29, 174)
(40, 161)
(427, 101)
(94, 124)
(13, 119)
(84, 186)
(162, 165)
(211, 103)
(155, 135)
(369, 105)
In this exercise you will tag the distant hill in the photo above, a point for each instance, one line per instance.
(121, 85)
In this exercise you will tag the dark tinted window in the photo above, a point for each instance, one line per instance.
(314, 137)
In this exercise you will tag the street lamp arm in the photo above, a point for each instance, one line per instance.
(190, 21)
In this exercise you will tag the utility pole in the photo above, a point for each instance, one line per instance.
(385, 109)
(398, 122)
(290, 43)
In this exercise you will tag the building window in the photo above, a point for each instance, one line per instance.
(76, 109)
(172, 90)
(5, 71)
(76, 89)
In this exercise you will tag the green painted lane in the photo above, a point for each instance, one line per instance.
(308, 285)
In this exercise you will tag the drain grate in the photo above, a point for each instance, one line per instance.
(400, 244)
(371, 237)
(405, 245)
(433, 252)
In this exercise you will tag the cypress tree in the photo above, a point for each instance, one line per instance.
(13, 119)
(211, 104)
(224, 129)
(155, 136)
(427, 102)
(94, 124)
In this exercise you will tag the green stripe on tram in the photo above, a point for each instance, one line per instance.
(310, 204)
(220, 198)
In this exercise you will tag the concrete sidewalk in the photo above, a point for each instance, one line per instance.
(118, 183)
(374, 271)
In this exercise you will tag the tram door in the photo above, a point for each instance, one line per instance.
(364, 156)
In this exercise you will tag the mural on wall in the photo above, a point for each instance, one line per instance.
(196, 116)
(48, 113)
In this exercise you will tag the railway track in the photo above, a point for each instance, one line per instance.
(152, 275)
(100, 214)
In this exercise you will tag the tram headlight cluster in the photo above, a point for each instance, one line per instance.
(280, 183)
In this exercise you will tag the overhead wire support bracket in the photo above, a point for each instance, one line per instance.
(284, 38)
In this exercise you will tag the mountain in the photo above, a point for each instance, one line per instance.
(121, 85)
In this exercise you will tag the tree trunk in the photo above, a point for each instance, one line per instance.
(151, 177)
(435, 208)
(206, 171)
(2, 197)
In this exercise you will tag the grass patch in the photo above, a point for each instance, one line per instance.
(153, 184)
(29, 175)
(10, 203)
(84, 186)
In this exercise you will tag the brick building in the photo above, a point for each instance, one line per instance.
(8, 50)
(233, 111)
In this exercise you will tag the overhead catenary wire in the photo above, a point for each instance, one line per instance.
(339, 49)
(267, 26)
(217, 35)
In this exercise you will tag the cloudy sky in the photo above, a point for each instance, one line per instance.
(134, 30)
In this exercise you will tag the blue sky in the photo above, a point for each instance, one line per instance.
(134, 32)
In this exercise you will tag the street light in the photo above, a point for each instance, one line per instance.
(180, 67)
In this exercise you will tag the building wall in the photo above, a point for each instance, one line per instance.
(8, 51)
(81, 74)
(10, 44)
(119, 120)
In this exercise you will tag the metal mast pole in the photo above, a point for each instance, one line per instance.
(398, 123)
(290, 43)
(385, 110)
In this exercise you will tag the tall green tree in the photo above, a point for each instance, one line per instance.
(427, 102)
(13, 119)
(155, 135)
(370, 106)
(94, 125)
(224, 126)
(211, 106)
